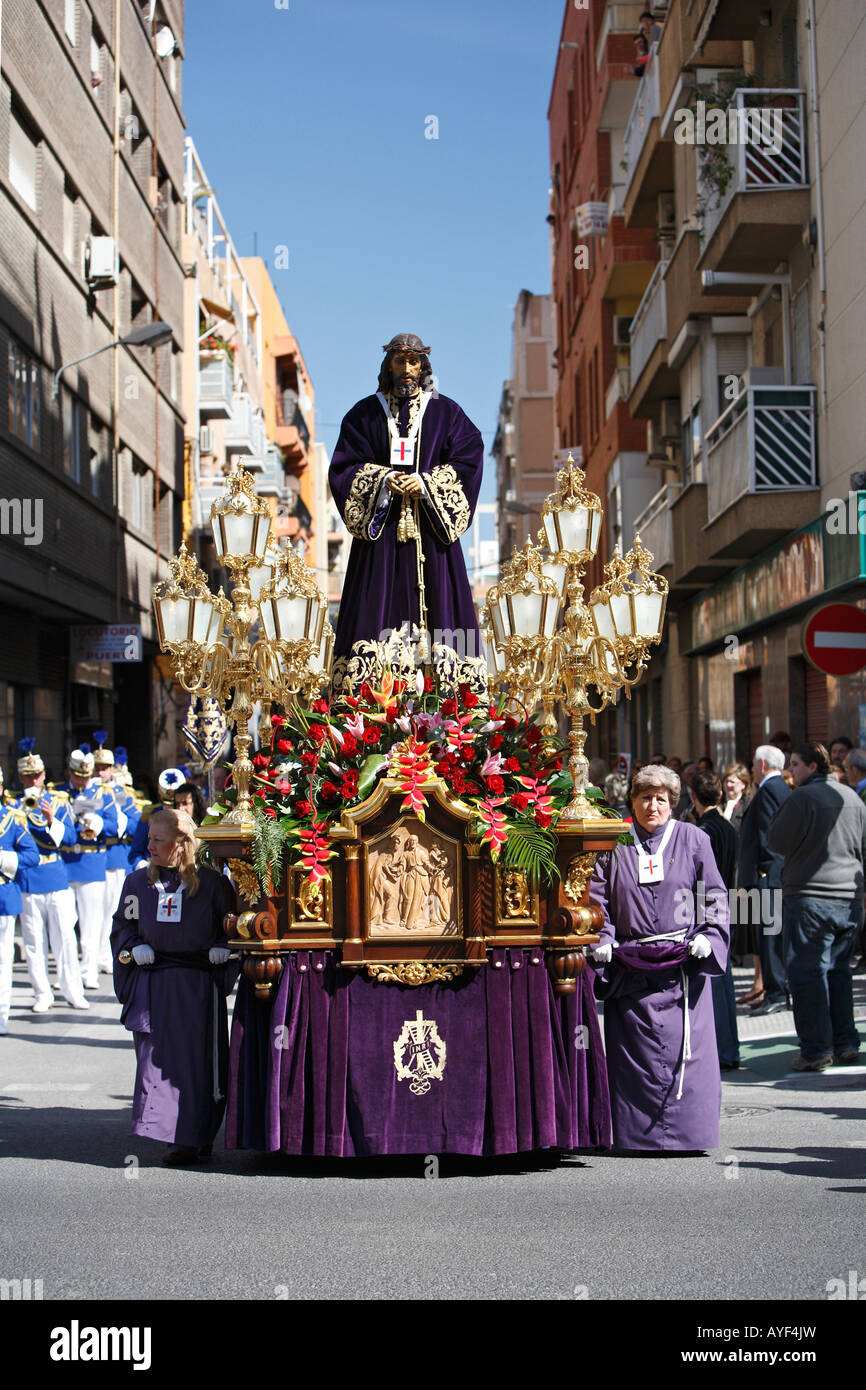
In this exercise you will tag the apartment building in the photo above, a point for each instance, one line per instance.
(523, 446)
(91, 472)
(744, 353)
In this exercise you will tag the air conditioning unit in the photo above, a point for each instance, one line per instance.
(621, 327)
(511, 495)
(666, 214)
(657, 454)
(101, 261)
(669, 421)
(206, 439)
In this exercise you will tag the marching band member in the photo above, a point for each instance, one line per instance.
(95, 818)
(48, 903)
(117, 859)
(17, 851)
(169, 780)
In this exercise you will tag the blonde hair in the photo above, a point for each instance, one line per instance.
(182, 827)
(738, 770)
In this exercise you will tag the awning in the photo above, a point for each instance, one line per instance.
(220, 311)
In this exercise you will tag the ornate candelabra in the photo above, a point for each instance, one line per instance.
(603, 643)
(209, 638)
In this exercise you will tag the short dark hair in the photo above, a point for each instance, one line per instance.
(709, 763)
(707, 788)
(647, 14)
(843, 738)
(813, 753)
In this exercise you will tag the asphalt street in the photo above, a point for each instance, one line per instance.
(775, 1213)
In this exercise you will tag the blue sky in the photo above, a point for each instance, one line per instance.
(311, 121)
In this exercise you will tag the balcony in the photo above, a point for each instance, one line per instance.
(619, 389)
(725, 20)
(651, 378)
(210, 488)
(215, 388)
(244, 431)
(763, 445)
(655, 527)
(620, 17)
(270, 479)
(762, 212)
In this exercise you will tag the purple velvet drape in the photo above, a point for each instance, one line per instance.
(314, 1073)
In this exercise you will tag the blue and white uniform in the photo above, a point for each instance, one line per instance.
(48, 903)
(95, 818)
(17, 851)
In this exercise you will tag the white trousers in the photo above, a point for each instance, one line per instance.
(54, 914)
(90, 901)
(7, 952)
(114, 879)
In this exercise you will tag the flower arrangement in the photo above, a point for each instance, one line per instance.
(214, 343)
(331, 755)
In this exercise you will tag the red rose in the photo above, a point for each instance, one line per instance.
(350, 747)
(302, 808)
(319, 707)
(512, 765)
(399, 687)
(372, 734)
(270, 812)
(277, 721)
(284, 788)
(260, 760)
(543, 818)
(390, 714)
(428, 685)
(533, 735)
(520, 800)
(349, 789)
(449, 708)
(330, 791)
(470, 700)
(350, 774)
(510, 724)
(496, 784)
(284, 745)
(309, 759)
(365, 692)
(495, 742)
(457, 783)
(467, 755)
(473, 788)
(318, 733)
(442, 768)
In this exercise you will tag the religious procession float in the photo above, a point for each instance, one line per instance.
(412, 842)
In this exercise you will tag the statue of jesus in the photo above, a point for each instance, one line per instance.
(405, 476)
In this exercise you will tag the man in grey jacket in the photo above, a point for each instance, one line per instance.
(821, 831)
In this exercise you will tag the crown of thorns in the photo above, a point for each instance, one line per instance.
(407, 342)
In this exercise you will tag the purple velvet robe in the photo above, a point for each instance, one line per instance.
(176, 1008)
(381, 587)
(644, 1020)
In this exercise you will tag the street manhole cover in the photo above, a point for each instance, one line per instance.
(745, 1110)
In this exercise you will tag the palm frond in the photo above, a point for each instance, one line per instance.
(532, 850)
(267, 851)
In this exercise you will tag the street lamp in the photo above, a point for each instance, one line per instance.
(150, 335)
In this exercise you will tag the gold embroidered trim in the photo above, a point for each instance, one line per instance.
(449, 500)
(361, 502)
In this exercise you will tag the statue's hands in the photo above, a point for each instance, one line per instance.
(413, 486)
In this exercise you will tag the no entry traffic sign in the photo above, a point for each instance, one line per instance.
(834, 639)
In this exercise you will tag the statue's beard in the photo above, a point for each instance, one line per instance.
(403, 388)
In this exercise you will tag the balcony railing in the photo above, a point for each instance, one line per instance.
(650, 324)
(769, 152)
(244, 431)
(619, 389)
(209, 489)
(655, 525)
(271, 479)
(764, 442)
(647, 105)
(215, 388)
(620, 17)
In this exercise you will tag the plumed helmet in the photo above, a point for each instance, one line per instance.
(169, 779)
(30, 763)
(81, 762)
(405, 342)
(102, 755)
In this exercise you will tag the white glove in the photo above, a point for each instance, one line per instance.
(8, 865)
(94, 822)
(143, 954)
(700, 947)
(218, 955)
(602, 954)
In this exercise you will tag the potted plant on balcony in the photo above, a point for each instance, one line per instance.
(214, 345)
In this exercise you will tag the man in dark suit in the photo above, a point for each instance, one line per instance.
(706, 793)
(761, 869)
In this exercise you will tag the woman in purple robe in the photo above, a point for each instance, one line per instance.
(405, 476)
(665, 933)
(171, 975)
